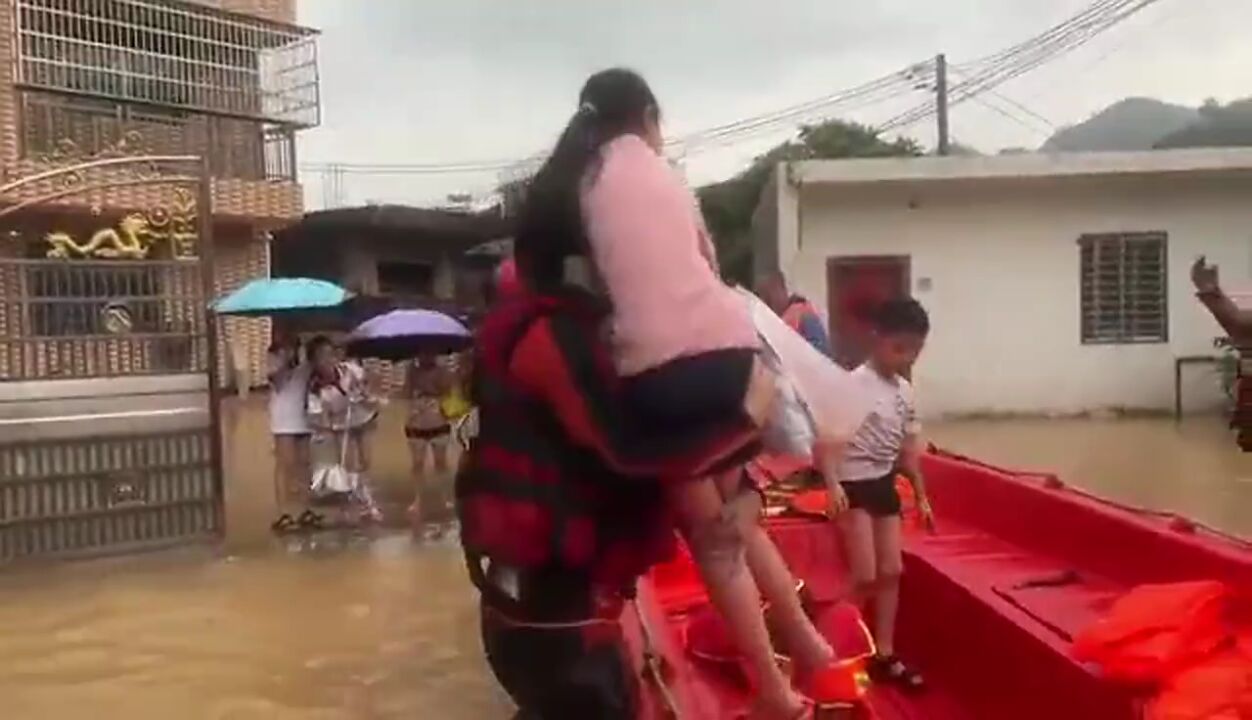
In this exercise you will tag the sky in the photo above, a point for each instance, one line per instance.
(436, 81)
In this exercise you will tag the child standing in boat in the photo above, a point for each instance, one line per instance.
(865, 502)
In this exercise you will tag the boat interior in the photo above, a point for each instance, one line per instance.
(990, 603)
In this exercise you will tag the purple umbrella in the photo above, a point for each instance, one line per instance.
(403, 334)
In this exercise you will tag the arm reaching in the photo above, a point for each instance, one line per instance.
(827, 456)
(911, 468)
(1234, 321)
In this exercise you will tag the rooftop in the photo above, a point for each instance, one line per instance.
(1206, 161)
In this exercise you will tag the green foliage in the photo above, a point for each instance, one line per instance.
(728, 206)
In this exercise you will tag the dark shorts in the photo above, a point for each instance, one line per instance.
(697, 390)
(878, 497)
(442, 431)
(691, 400)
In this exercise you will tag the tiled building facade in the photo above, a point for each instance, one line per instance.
(232, 81)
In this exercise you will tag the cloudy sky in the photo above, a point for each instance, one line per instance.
(424, 82)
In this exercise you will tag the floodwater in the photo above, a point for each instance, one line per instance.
(382, 625)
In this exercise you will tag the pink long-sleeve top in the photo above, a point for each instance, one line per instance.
(657, 262)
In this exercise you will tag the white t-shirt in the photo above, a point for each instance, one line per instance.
(875, 449)
(287, 397)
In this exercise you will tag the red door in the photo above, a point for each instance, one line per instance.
(854, 286)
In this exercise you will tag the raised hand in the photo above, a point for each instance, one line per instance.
(1204, 276)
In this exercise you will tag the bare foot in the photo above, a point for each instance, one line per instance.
(414, 512)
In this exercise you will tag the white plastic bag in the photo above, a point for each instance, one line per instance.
(333, 478)
(818, 399)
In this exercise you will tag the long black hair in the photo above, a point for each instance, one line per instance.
(550, 226)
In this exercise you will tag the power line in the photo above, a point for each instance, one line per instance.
(878, 90)
(994, 70)
(983, 75)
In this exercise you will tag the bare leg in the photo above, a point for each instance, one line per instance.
(439, 455)
(887, 587)
(284, 471)
(716, 541)
(417, 456)
(802, 640)
(857, 530)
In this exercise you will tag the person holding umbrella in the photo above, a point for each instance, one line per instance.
(288, 377)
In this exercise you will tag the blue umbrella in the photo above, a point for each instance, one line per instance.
(402, 334)
(268, 296)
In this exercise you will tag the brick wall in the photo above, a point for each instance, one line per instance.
(241, 340)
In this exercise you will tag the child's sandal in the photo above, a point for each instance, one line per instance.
(890, 669)
(310, 520)
(284, 524)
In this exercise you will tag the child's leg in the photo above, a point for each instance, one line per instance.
(887, 586)
(717, 544)
(857, 530)
(803, 641)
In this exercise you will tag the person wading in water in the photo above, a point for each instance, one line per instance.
(1238, 326)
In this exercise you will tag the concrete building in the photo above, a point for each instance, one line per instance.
(232, 81)
(1057, 284)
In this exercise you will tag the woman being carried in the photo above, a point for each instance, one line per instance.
(607, 211)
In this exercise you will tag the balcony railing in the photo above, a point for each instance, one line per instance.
(236, 148)
(172, 54)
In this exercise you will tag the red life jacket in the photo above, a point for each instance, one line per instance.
(527, 497)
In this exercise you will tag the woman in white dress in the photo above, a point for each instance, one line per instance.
(288, 377)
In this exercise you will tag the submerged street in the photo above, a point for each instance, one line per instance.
(345, 626)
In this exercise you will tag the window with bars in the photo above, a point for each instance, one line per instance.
(170, 54)
(1124, 288)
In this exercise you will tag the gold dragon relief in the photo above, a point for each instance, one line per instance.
(136, 234)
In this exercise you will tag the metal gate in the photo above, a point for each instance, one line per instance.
(109, 431)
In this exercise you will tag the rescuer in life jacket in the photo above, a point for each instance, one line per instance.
(561, 508)
(1238, 326)
(795, 310)
(606, 213)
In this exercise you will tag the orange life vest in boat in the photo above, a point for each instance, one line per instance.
(1186, 640)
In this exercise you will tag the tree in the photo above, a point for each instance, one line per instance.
(728, 206)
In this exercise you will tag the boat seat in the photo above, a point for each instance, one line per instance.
(1013, 614)
(1060, 599)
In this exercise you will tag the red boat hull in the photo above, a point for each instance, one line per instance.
(989, 604)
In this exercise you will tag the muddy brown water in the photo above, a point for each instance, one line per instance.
(382, 625)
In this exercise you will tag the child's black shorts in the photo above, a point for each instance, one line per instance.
(878, 497)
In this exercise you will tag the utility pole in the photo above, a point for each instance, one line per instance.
(941, 101)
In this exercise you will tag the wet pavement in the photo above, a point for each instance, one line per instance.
(381, 624)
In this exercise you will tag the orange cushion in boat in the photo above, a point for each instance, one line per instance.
(844, 628)
(1219, 688)
(815, 503)
(708, 638)
(677, 582)
(840, 623)
(1154, 630)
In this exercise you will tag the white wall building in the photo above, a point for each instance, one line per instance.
(1056, 284)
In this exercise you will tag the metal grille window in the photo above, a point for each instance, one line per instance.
(171, 54)
(236, 148)
(1124, 288)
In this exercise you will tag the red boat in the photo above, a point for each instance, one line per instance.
(990, 604)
